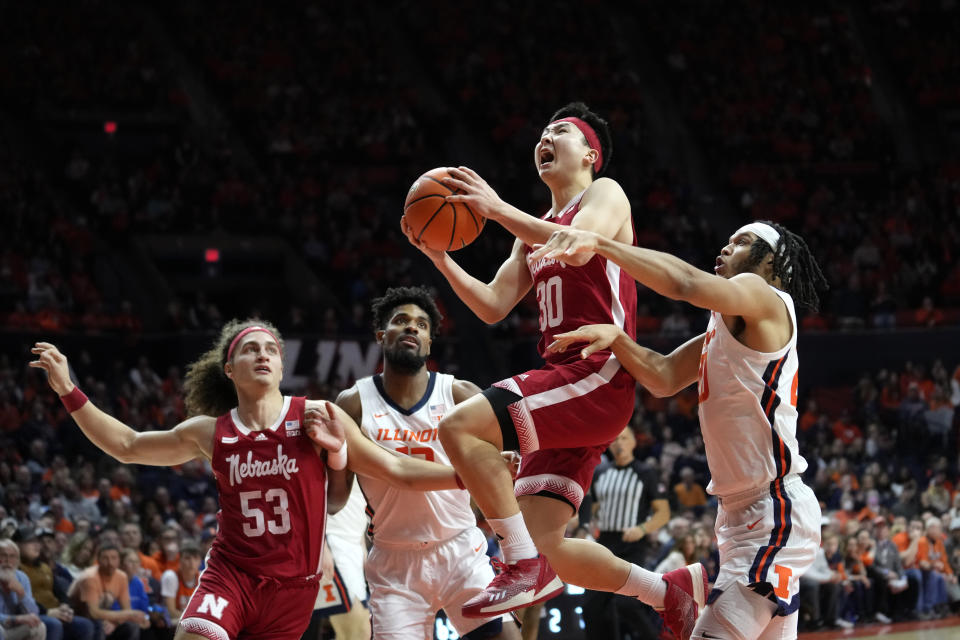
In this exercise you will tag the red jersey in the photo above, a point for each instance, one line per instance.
(599, 292)
(273, 496)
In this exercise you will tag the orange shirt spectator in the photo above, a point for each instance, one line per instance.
(846, 431)
(890, 397)
(65, 525)
(148, 563)
(808, 419)
(928, 315)
(932, 553)
(689, 493)
(903, 542)
(120, 493)
(163, 564)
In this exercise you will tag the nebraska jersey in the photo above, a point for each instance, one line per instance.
(748, 409)
(598, 292)
(273, 495)
(400, 516)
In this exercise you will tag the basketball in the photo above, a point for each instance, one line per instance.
(441, 225)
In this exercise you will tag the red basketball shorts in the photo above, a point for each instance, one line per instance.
(231, 604)
(566, 416)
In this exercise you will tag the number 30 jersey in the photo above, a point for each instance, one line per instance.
(402, 517)
(273, 496)
(568, 297)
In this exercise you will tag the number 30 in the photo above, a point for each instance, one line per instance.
(550, 299)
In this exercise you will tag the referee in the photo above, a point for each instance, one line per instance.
(626, 503)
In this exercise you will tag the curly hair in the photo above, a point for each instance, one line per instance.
(209, 391)
(598, 124)
(397, 296)
(793, 264)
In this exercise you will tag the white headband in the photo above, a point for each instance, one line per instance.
(763, 231)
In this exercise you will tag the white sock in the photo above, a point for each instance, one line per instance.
(644, 585)
(515, 542)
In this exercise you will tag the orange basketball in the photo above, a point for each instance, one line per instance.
(441, 225)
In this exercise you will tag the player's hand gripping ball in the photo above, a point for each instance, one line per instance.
(440, 225)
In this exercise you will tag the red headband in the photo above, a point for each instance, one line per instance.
(592, 140)
(233, 343)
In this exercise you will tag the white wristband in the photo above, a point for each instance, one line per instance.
(337, 460)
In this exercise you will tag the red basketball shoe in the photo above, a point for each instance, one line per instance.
(685, 599)
(517, 585)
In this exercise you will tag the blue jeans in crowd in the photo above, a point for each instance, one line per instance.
(934, 590)
(79, 628)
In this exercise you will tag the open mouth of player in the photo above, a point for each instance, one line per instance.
(719, 265)
(410, 341)
(261, 369)
(546, 157)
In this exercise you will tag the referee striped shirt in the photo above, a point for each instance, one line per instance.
(624, 495)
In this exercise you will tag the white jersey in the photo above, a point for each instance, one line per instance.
(748, 409)
(345, 533)
(401, 517)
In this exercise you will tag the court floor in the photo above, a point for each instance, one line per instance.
(946, 629)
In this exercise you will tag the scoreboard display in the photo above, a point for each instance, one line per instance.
(561, 618)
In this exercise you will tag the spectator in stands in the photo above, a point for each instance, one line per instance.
(894, 587)
(688, 493)
(912, 405)
(52, 544)
(168, 556)
(176, 587)
(879, 602)
(144, 596)
(821, 590)
(19, 614)
(76, 506)
(56, 614)
(928, 315)
(78, 554)
(883, 306)
(933, 562)
(906, 504)
(936, 497)
(132, 538)
(683, 553)
(939, 418)
(907, 539)
(845, 430)
(860, 597)
(102, 593)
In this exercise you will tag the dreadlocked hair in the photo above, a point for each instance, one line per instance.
(793, 264)
(397, 296)
(209, 391)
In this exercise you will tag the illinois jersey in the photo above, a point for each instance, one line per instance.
(400, 516)
(172, 586)
(748, 409)
(273, 496)
(598, 292)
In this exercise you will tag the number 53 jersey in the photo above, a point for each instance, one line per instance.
(273, 495)
(401, 517)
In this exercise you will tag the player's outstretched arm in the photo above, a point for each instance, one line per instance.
(190, 439)
(491, 302)
(661, 375)
(366, 458)
(746, 294)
